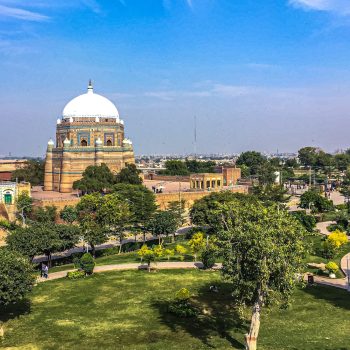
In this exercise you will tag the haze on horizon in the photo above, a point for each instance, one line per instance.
(260, 75)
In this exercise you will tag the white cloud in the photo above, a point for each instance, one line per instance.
(341, 7)
(18, 13)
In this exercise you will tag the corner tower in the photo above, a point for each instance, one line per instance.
(89, 132)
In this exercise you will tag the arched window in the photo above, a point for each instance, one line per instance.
(83, 143)
(109, 143)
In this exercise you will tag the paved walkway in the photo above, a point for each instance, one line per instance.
(322, 226)
(337, 282)
(134, 266)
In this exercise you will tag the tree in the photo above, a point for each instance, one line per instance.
(141, 201)
(33, 172)
(307, 156)
(113, 214)
(24, 206)
(308, 221)
(163, 223)
(150, 255)
(179, 211)
(69, 214)
(129, 175)
(45, 215)
(203, 211)
(95, 179)
(168, 253)
(195, 166)
(313, 199)
(42, 238)
(271, 193)
(253, 160)
(92, 232)
(345, 188)
(197, 244)
(342, 161)
(175, 167)
(262, 251)
(17, 277)
(181, 250)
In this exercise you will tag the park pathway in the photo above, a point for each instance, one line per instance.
(337, 282)
(134, 266)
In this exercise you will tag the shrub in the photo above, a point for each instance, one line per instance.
(328, 249)
(338, 238)
(308, 221)
(183, 294)
(87, 263)
(74, 275)
(332, 267)
(181, 250)
(334, 227)
(181, 306)
(208, 258)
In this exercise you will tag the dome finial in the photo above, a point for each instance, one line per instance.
(90, 87)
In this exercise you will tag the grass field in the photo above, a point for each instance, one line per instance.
(127, 310)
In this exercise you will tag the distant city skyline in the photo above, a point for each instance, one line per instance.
(257, 75)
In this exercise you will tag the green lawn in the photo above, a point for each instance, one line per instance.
(127, 310)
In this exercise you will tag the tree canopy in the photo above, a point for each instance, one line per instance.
(32, 172)
(17, 277)
(141, 201)
(262, 251)
(129, 175)
(95, 179)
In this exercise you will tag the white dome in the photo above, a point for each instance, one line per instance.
(90, 105)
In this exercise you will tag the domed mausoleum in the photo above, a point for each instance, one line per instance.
(90, 132)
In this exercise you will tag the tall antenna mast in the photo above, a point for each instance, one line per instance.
(195, 137)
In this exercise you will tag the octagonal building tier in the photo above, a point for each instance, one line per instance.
(89, 133)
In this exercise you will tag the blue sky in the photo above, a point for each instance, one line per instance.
(262, 75)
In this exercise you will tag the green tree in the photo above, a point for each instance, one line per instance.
(195, 166)
(253, 160)
(271, 193)
(17, 277)
(114, 215)
(313, 199)
(179, 211)
(181, 250)
(197, 244)
(24, 206)
(95, 179)
(203, 211)
(308, 221)
(308, 156)
(45, 215)
(129, 175)
(42, 238)
(163, 223)
(69, 214)
(262, 251)
(33, 172)
(345, 188)
(142, 204)
(342, 161)
(175, 167)
(91, 231)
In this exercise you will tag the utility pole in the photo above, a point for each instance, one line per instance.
(195, 137)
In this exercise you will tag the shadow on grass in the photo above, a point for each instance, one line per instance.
(336, 296)
(12, 311)
(216, 317)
